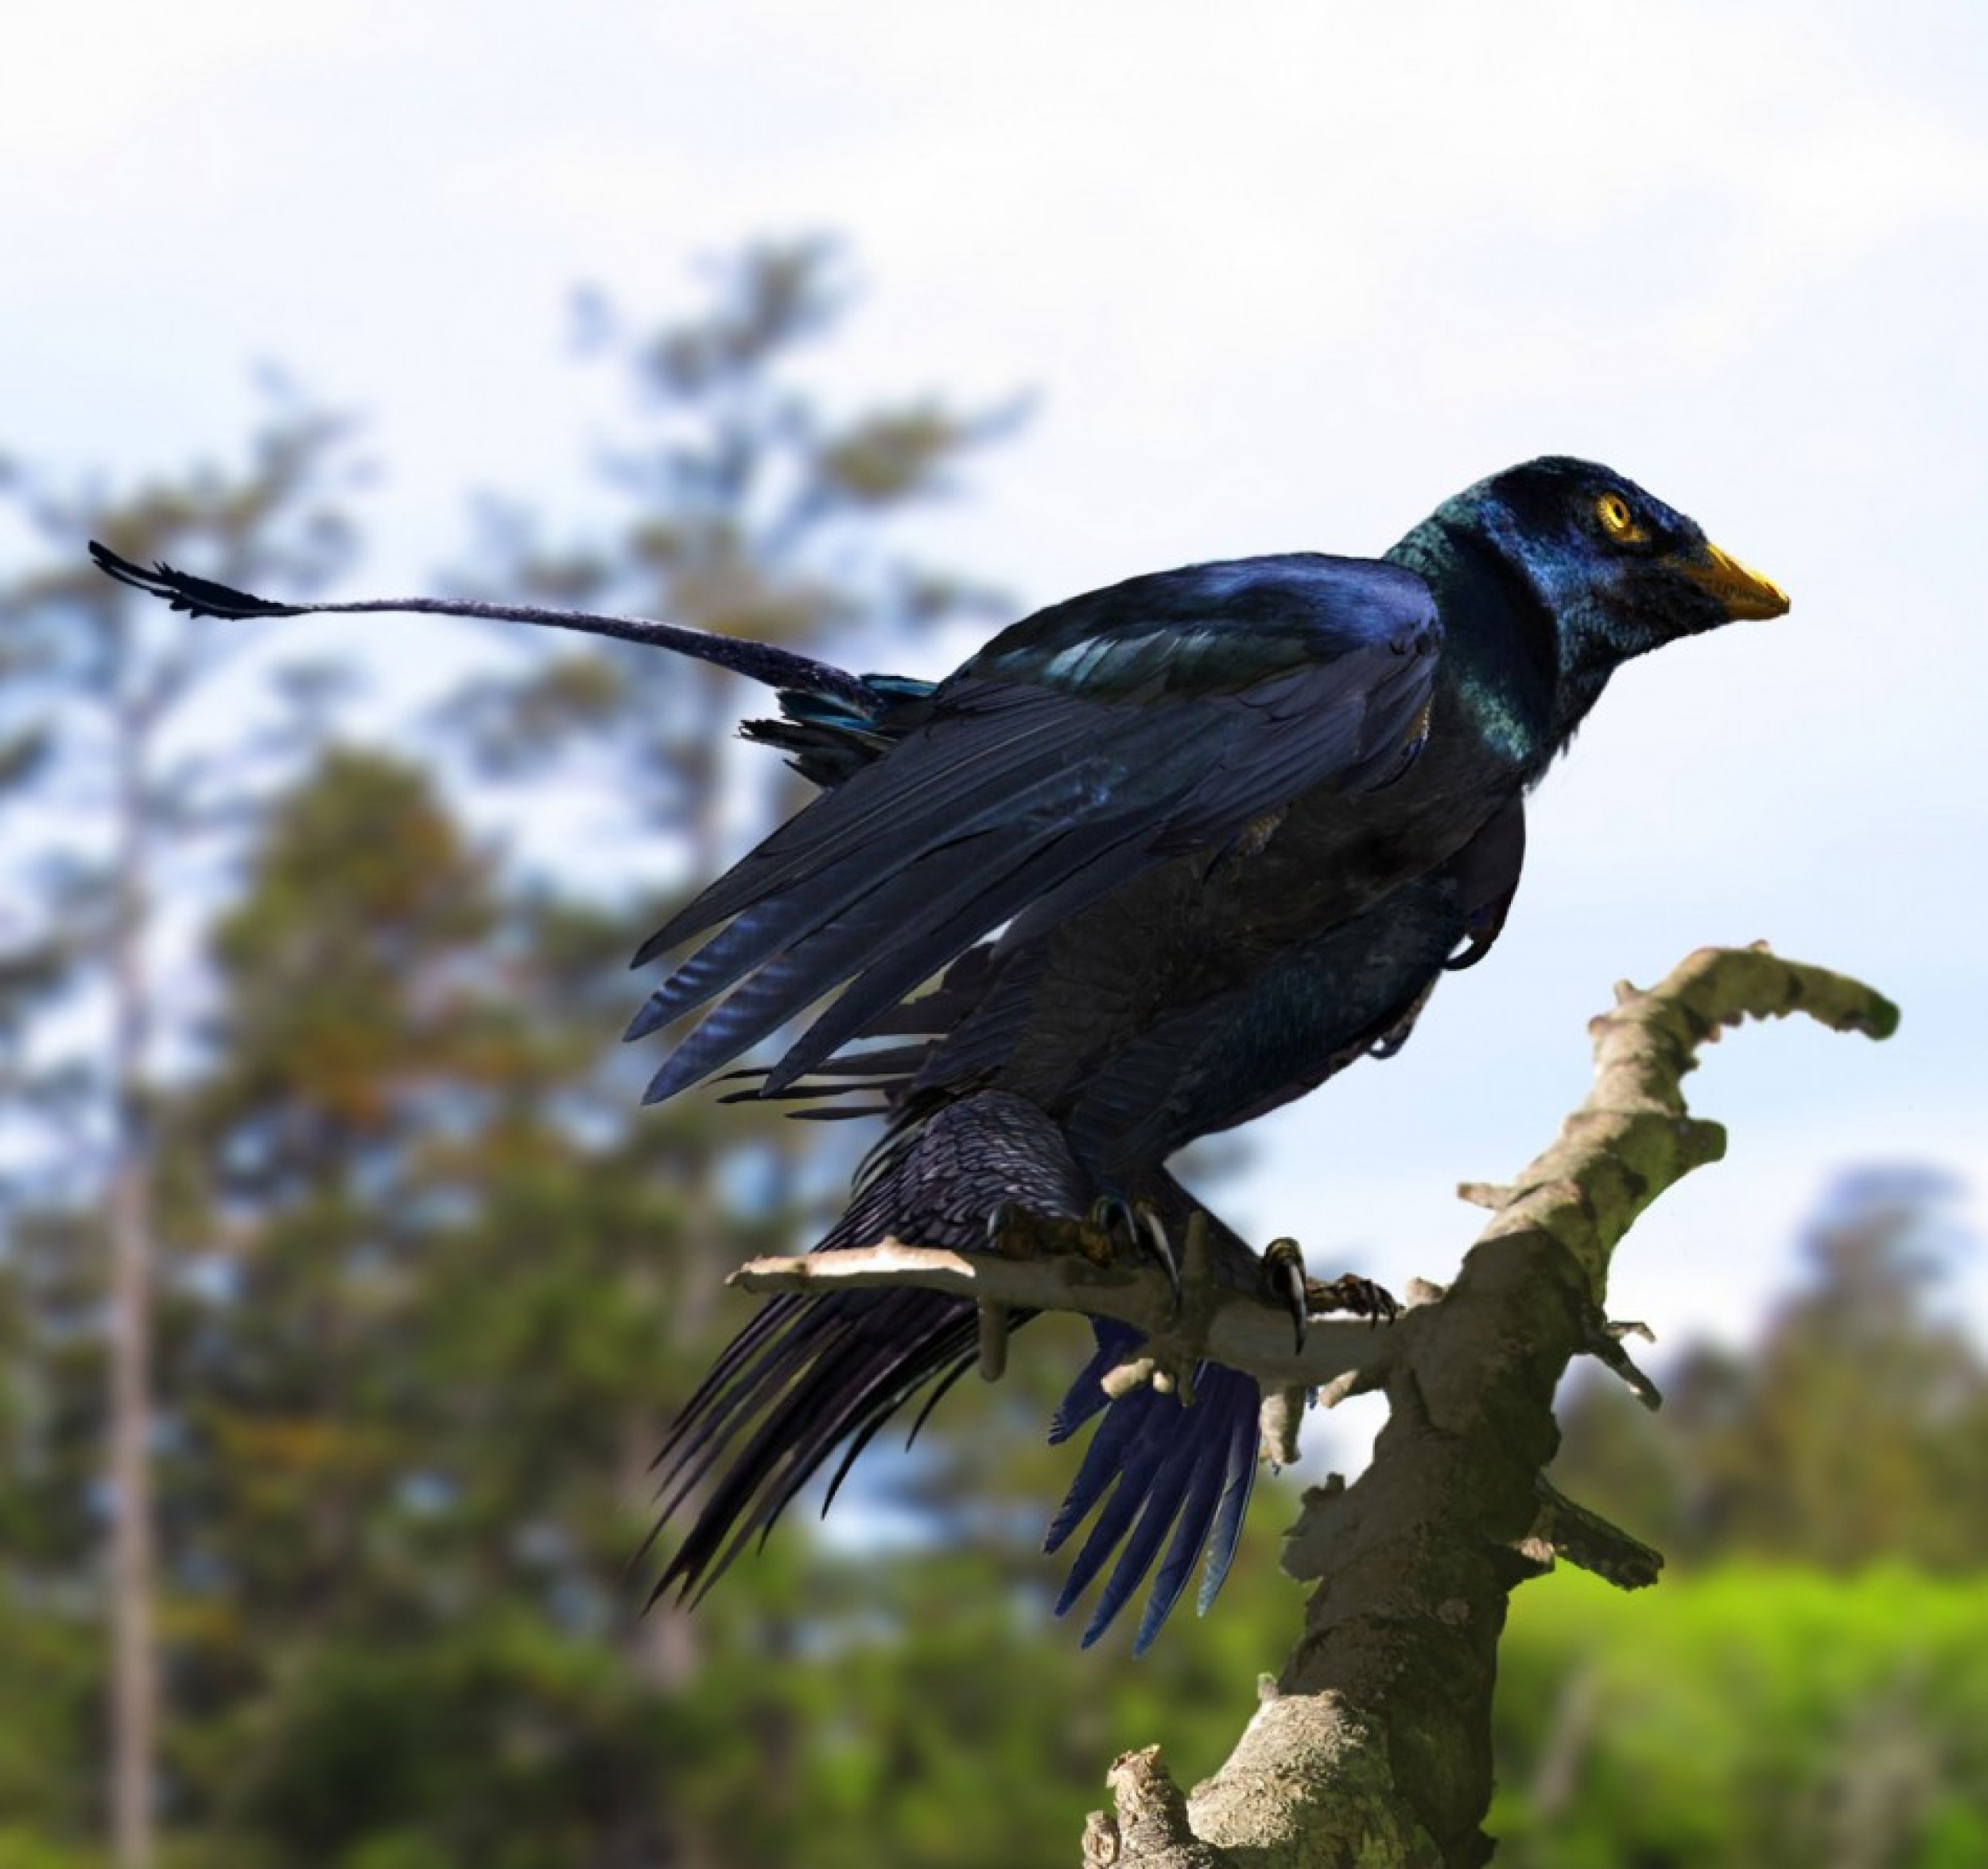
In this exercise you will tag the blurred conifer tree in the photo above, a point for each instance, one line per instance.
(105, 808)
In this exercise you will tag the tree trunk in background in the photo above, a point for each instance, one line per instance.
(134, 1668)
(667, 1654)
(92, 675)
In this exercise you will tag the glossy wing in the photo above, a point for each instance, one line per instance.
(1086, 744)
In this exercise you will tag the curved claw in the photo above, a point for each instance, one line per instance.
(1112, 1216)
(1359, 1296)
(1283, 1283)
(1018, 1232)
(1121, 1227)
(1154, 1229)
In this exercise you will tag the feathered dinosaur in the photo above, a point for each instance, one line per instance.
(1161, 858)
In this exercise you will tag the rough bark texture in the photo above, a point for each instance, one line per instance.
(1374, 1748)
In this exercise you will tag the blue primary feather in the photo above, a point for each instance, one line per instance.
(1158, 1468)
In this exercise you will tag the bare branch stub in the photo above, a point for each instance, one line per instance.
(1147, 1822)
(1584, 1538)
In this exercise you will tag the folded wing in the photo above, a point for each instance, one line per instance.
(1080, 747)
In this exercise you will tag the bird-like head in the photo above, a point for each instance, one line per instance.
(1620, 572)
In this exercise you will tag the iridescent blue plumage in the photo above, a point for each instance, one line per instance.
(1082, 748)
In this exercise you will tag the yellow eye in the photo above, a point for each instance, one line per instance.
(1616, 521)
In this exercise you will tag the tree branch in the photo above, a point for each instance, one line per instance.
(1239, 1328)
(1374, 1748)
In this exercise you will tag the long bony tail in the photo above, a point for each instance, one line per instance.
(760, 661)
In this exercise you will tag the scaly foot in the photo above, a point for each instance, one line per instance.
(1113, 1231)
(1283, 1282)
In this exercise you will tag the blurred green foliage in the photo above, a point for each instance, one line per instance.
(430, 1284)
(1853, 1431)
(1749, 1715)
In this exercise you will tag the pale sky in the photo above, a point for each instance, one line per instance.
(1280, 276)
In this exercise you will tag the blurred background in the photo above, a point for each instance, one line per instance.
(345, 1292)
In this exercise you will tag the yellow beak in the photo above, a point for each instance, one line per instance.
(1742, 593)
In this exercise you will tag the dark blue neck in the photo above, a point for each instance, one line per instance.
(1499, 670)
(1523, 663)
